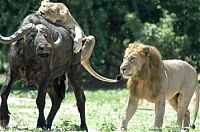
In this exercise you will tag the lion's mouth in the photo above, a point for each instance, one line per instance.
(126, 76)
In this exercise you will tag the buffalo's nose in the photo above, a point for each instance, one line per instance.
(41, 47)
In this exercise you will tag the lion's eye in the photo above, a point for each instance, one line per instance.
(132, 59)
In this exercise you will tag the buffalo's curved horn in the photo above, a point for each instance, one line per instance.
(87, 66)
(59, 39)
(18, 34)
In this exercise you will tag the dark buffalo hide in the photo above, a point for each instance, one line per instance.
(41, 54)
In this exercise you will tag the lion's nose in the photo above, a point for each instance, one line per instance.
(123, 69)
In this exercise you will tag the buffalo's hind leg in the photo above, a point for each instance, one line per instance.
(75, 79)
(5, 91)
(56, 93)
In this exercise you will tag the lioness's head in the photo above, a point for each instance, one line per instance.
(53, 11)
(136, 55)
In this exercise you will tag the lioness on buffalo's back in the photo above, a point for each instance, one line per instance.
(156, 80)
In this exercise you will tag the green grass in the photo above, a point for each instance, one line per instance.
(103, 112)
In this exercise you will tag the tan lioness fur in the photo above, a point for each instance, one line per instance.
(158, 80)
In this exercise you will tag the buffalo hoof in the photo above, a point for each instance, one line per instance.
(84, 127)
(4, 118)
(42, 125)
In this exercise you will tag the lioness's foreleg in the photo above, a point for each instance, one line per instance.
(159, 112)
(131, 106)
(77, 40)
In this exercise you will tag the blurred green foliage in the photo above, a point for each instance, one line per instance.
(172, 26)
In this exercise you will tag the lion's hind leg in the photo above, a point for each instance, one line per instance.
(175, 103)
(187, 119)
(183, 115)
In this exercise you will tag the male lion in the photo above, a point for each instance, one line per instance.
(155, 80)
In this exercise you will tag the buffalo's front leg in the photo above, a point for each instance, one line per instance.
(56, 93)
(5, 91)
(40, 102)
(75, 80)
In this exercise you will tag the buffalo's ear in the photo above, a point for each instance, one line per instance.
(146, 50)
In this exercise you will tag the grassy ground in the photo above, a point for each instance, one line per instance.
(103, 112)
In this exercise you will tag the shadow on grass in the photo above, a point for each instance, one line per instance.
(91, 85)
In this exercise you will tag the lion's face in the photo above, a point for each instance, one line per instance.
(133, 61)
(53, 11)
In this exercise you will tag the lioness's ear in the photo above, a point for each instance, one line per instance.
(44, 2)
(64, 12)
(145, 50)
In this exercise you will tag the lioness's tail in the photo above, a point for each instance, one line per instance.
(196, 106)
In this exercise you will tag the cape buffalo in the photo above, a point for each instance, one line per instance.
(41, 54)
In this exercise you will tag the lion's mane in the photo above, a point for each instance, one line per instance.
(150, 74)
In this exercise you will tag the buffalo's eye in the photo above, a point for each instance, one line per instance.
(45, 35)
(29, 38)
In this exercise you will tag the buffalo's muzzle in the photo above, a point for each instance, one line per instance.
(43, 50)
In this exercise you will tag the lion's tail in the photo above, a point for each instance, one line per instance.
(196, 106)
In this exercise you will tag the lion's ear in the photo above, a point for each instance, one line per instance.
(145, 50)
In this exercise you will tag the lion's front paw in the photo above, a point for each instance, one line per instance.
(77, 45)
(4, 117)
(121, 129)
